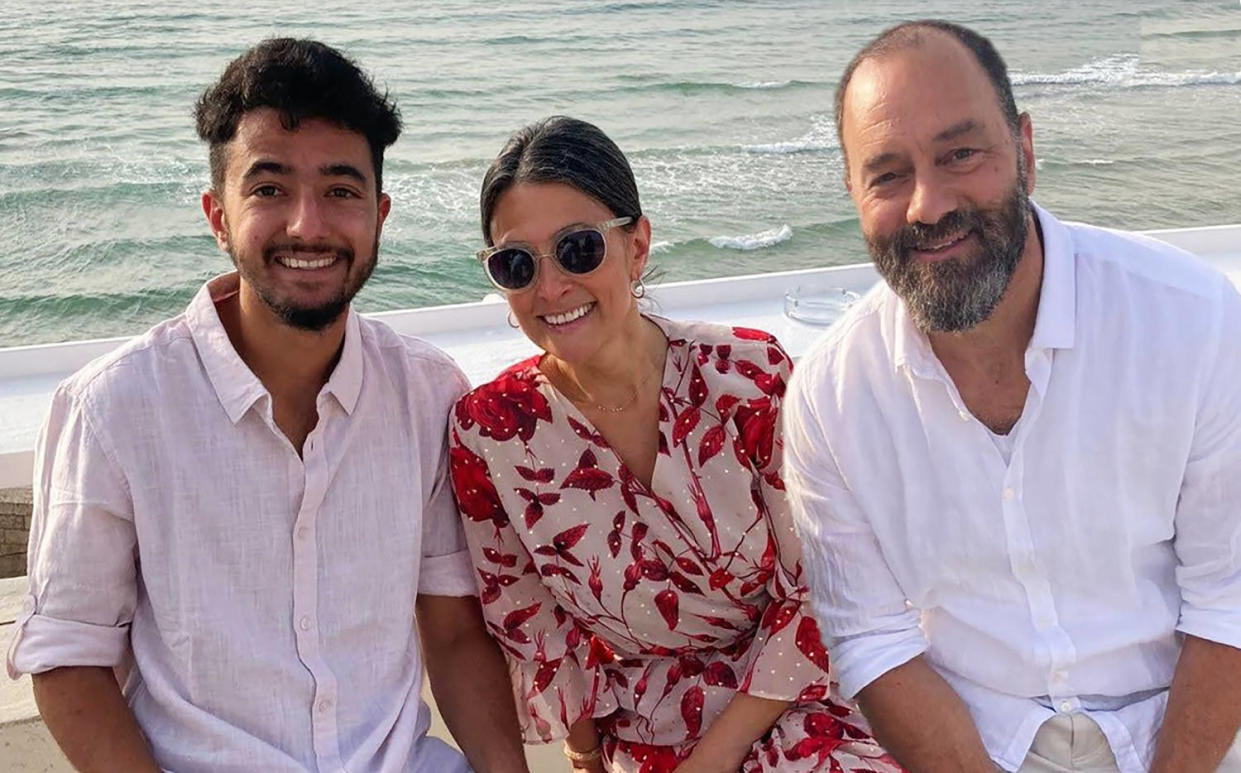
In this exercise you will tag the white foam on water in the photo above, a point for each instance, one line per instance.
(755, 241)
(660, 247)
(821, 137)
(763, 84)
(1124, 71)
(796, 146)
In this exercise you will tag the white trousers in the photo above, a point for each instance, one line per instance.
(1073, 743)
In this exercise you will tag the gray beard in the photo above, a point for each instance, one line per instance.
(955, 295)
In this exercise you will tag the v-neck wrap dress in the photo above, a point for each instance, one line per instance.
(649, 608)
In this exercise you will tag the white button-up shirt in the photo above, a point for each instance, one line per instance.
(1059, 579)
(267, 600)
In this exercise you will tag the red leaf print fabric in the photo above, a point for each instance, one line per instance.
(588, 477)
(719, 674)
(809, 642)
(511, 409)
(691, 711)
(476, 494)
(668, 605)
(648, 606)
(756, 421)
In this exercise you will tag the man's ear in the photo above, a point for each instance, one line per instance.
(385, 206)
(213, 208)
(1025, 146)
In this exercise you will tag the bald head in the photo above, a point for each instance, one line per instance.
(918, 34)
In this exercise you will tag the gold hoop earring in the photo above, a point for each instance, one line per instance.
(638, 288)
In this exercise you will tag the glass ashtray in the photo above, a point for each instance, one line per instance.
(818, 304)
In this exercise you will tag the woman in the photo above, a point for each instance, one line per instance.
(623, 501)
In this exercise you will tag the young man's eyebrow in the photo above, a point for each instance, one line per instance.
(343, 170)
(265, 166)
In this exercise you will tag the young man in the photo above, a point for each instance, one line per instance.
(245, 510)
(1016, 465)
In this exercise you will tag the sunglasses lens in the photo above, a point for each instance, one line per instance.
(581, 251)
(512, 269)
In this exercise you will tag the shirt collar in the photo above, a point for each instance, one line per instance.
(236, 386)
(345, 383)
(1054, 326)
(234, 383)
(908, 343)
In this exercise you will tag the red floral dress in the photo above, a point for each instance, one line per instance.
(649, 608)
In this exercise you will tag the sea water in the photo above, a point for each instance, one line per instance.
(723, 108)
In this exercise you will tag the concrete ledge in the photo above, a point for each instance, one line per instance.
(15, 506)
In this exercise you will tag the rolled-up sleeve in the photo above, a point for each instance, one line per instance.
(446, 568)
(1208, 513)
(82, 558)
(865, 621)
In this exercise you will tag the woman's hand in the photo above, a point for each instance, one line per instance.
(714, 758)
(730, 737)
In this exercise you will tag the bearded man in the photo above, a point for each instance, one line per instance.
(245, 511)
(1016, 464)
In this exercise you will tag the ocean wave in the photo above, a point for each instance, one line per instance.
(699, 87)
(795, 146)
(820, 138)
(756, 241)
(764, 84)
(1124, 71)
(1230, 32)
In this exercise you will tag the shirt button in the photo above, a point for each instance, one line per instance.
(303, 532)
(1009, 493)
(1066, 706)
(304, 623)
(324, 705)
(1059, 674)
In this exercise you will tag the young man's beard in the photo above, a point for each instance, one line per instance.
(317, 317)
(956, 294)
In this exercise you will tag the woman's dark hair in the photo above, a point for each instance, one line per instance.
(300, 79)
(564, 150)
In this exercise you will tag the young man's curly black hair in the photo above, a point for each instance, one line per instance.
(300, 79)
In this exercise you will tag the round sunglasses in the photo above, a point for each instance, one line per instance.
(579, 252)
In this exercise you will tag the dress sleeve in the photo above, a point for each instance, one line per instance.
(1208, 512)
(787, 660)
(552, 663)
(83, 551)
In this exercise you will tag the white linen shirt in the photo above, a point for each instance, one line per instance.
(267, 600)
(1058, 581)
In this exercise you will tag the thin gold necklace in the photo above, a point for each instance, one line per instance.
(608, 408)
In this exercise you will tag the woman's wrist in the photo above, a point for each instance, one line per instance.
(584, 759)
(582, 756)
(711, 756)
